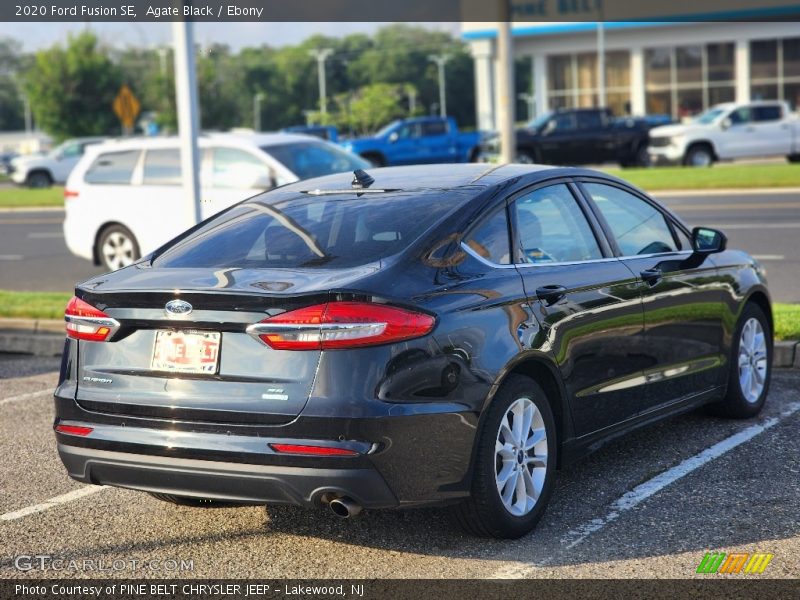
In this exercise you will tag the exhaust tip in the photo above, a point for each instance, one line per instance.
(344, 508)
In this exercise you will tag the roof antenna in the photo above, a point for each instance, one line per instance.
(361, 179)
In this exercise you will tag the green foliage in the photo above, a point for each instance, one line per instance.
(12, 113)
(72, 88)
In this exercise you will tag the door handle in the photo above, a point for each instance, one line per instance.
(550, 294)
(651, 276)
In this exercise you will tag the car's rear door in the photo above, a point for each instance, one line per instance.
(680, 290)
(586, 301)
(232, 174)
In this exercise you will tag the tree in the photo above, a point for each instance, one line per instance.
(12, 113)
(376, 105)
(72, 89)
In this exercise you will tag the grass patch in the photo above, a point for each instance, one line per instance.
(787, 321)
(33, 305)
(717, 177)
(13, 197)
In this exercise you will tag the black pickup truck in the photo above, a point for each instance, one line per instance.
(582, 136)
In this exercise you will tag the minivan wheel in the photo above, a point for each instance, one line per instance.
(514, 464)
(39, 179)
(117, 248)
(750, 367)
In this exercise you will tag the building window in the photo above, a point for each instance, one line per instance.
(573, 81)
(685, 80)
(775, 70)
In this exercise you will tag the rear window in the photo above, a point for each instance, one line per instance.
(313, 159)
(113, 167)
(314, 231)
(162, 167)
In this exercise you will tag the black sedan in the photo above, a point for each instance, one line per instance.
(412, 336)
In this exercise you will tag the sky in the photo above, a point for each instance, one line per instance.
(237, 35)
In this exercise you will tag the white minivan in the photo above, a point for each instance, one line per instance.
(124, 199)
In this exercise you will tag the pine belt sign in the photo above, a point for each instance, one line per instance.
(126, 107)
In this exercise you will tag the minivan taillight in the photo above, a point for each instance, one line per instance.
(339, 325)
(85, 322)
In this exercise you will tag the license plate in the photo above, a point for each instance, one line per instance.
(186, 352)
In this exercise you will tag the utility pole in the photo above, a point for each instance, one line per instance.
(257, 98)
(441, 61)
(28, 121)
(188, 117)
(412, 101)
(162, 60)
(321, 54)
(505, 84)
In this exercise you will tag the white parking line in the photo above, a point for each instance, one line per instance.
(42, 235)
(650, 487)
(52, 502)
(769, 257)
(28, 396)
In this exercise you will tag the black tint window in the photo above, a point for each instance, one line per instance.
(589, 120)
(552, 227)
(638, 227)
(740, 115)
(162, 167)
(767, 113)
(563, 122)
(113, 167)
(490, 240)
(335, 231)
(434, 128)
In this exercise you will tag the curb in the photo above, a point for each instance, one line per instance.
(39, 337)
(16, 209)
(723, 192)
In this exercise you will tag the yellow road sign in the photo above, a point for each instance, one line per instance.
(126, 106)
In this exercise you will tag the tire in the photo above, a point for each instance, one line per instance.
(117, 248)
(39, 179)
(793, 158)
(187, 501)
(699, 155)
(377, 160)
(741, 401)
(485, 513)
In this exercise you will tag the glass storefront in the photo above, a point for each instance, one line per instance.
(573, 80)
(775, 70)
(682, 81)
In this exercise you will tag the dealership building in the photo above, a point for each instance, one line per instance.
(678, 69)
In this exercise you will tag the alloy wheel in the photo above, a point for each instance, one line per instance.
(521, 457)
(118, 250)
(752, 360)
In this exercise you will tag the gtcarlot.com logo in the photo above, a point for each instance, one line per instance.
(735, 562)
(47, 562)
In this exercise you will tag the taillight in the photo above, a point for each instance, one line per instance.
(70, 194)
(85, 322)
(338, 325)
(312, 450)
(74, 430)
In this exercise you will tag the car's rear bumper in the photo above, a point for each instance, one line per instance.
(233, 482)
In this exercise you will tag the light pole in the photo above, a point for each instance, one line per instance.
(601, 65)
(441, 61)
(257, 98)
(505, 84)
(321, 54)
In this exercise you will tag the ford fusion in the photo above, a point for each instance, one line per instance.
(404, 337)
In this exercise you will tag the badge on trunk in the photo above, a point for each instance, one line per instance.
(177, 308)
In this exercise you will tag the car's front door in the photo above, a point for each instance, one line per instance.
(680, 290)
(557, 140)
(586, 301)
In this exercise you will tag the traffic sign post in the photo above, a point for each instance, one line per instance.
(127, 108)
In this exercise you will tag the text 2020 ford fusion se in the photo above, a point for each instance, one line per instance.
(412, 336)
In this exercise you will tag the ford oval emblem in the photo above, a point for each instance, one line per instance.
(177, 308)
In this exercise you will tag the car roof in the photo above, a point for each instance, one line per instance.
(231, 139)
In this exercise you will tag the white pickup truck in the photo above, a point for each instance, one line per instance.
(728, 131)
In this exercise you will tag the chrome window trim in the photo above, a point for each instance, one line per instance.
(489, 263)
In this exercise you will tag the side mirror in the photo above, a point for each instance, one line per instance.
(708, 241)
(725, 124)
(549, 127)
(264, 181)
(393, 137)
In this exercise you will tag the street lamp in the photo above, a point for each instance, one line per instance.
(321, 54)
(441, 61)
(257, 98)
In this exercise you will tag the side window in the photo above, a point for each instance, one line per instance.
(552, 227)
(491, 241)
(434, 128)
(234, 168)
(113, 168)
(72, 150)
(589, 119)
(740, 116)
(771, 112)
(162, 167)
(563, 122)
(685, 240)
(409, 130)
(638, 227)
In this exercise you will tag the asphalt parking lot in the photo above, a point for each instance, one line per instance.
(648, 505)
(34, 256)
